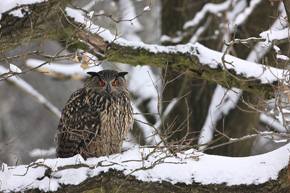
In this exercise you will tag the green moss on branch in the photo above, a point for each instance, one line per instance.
(189, 64)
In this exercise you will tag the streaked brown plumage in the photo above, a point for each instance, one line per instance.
(97, 117)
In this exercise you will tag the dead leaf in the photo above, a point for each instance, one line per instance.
(84, 66)
(85, 63)
(85, 59)
(76, 59)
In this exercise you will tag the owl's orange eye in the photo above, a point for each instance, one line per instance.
(114, 83)
(101, 83)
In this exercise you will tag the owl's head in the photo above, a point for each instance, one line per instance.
(107, 82)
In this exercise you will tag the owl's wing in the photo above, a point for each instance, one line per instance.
(77, 125)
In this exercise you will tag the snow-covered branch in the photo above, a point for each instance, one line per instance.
(209, 7)
(189, 168)
(194, 59)
(27, 88)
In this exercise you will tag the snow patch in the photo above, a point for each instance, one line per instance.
(242, 17)
(20, 12)
(7, 5)
(272, 35)
(246, 68)
(209, 7)
(147, 8)
(14, 68)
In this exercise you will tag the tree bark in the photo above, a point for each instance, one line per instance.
(190, 65)
(116, 181)
(40, 21)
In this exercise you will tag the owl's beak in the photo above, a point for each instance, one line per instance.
(108, 88)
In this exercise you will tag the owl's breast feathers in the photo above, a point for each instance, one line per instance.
(94, 125)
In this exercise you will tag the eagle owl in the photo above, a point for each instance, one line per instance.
(96, 118)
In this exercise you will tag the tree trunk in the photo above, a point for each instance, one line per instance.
(197, 93)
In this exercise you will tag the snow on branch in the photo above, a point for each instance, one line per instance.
(196, 59)
(185, 167)
(8, 5)
(268, 120)
(27, 88)
(279, 31)
(209, 7)
(243, 16)
(276, 35)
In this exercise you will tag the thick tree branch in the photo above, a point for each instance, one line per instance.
(185, 62)
(116, 181)
(53, 24)
(40, 21)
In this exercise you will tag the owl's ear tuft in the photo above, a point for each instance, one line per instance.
(122, 74)
(93, 73)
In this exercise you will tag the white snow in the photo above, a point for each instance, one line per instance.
(277, 49)
(19, 12)
(272, 35)
(141, 84)
(147, 8)
(261, 48)
(246, 68)
(7, 5)
(14, 68)
(209, 7)
(199, 31)
(237, 8)
(205, 55)
(91, 14)
(184, 168)
(272, 123)
(130, 25)
(241, 18)
(278, 30)
(282, 57)
(42, 152)
(165, 38)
